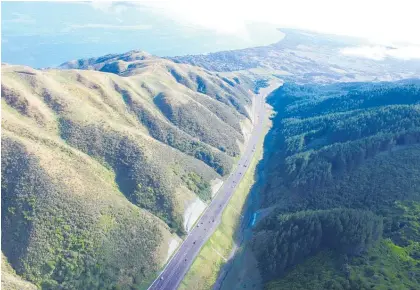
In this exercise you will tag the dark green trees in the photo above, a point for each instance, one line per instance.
(283, 241)
(339, 160)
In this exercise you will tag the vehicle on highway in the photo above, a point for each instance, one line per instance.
(173, 270)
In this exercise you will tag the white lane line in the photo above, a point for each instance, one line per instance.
(234, 209)
(218, 253)
(201, 217)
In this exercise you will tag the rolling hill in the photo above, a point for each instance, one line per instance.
(107, 162)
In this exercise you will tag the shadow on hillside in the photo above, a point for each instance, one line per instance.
(254, 201)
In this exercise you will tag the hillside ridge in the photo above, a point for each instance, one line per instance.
(92, 157)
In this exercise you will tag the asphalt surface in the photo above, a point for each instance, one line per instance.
(178, 265)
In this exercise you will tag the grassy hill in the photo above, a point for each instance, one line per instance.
(99, 168)
(340, 188)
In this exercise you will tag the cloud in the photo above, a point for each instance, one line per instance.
(72, 27)
(110, 7)
(103, 6)
(380, 21)
(20, 18)
(382, 52)
(214, 15)
(226, 17)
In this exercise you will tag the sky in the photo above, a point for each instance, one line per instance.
(42, 34)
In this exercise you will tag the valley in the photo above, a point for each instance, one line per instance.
(175, 270)
(287, 166)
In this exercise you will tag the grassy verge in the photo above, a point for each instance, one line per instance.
(215, 252)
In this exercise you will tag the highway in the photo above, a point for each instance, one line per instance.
(175, 270)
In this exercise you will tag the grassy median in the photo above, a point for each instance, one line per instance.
(215, 252)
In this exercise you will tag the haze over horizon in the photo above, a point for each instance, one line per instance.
(48, 34)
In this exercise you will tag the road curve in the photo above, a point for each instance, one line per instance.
(178, 265)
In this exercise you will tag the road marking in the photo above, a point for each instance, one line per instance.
(235, 210)
(225, 185)
(217, 252)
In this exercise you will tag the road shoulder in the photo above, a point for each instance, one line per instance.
(219, 247)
